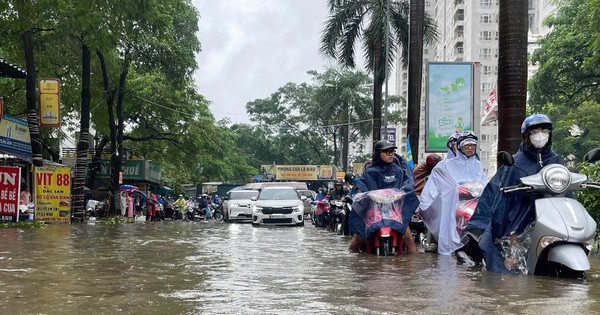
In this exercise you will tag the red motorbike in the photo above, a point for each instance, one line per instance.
(384, 220)
(468, 197)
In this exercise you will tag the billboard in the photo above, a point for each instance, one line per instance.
(298, 172)
(449, 102)
(10, 181)
(52, 193)
(14, 137)
(49, 103)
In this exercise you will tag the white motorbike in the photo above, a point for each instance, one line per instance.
(559, 241)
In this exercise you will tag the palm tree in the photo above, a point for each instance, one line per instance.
(351, 20)
(512, 72)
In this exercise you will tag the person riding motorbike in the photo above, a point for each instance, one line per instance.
(181, 203)
(508, 214)
(440, 197)
(388, 170)
(338, 192)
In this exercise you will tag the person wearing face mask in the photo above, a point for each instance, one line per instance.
(506, 214)
(441, 196)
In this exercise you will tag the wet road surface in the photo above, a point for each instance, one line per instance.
(219, 268)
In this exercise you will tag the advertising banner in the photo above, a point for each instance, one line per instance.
(391, 134)
(10, 180)
(14, 137)
(449, 103)
(298, 172)
(490, 112)
(50, 103)
(52, 193)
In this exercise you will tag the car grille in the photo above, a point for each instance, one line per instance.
(277, 221)
(269, 210)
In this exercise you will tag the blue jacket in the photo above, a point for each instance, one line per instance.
(501, 214)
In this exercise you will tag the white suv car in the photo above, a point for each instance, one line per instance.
(238, 205)
(278, 206)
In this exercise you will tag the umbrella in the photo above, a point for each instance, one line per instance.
(129, 187)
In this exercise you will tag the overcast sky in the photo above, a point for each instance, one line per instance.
(250, 48)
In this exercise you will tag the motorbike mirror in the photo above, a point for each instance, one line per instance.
(505, 158)
(592, 156)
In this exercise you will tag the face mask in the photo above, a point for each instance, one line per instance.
(539, 140)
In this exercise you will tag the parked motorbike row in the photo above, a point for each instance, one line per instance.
(95, 208)
(332, 214)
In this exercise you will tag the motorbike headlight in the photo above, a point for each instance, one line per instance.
(557, 179)
(545, 241)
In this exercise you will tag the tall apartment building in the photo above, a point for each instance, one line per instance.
(468, 32)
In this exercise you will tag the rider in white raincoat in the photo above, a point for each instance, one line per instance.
(440, 198)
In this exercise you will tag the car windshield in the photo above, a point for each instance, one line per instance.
(278, 194)
(242, 194)
(306, 193)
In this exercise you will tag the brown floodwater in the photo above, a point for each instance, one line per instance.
(219, 268)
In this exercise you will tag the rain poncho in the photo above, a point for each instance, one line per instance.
(501, 214)
(379, 175)
(439, 199)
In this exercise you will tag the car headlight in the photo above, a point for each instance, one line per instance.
(257, 209)
(233, 205)
(298, 208)
(557, 178)
(545, 241)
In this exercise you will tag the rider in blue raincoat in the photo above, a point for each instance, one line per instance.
(388, 170)
(505, 214)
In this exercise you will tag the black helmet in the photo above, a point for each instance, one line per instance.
(348, 178)
(384, 145)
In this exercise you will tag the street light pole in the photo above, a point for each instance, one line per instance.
(346, 146)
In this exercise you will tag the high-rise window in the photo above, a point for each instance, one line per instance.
(485, 35)
(485, 18)
(485, 52)
(485, 3)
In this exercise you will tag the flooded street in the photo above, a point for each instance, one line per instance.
(219, 268)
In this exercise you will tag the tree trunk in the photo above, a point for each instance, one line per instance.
(95, 166)
(378, 80)
(346, 140)
(118, 156)
(83, 143)
(113, 131)
(30, 95)
(415, 75)
(512, 72)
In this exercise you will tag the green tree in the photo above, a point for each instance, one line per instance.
(565, 87)
(351, 20)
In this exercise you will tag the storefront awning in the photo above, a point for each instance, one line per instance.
(8, 70)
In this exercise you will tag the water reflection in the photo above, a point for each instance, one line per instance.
(218, 268)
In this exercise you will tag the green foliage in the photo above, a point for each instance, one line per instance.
(590, 198)
(565, 87)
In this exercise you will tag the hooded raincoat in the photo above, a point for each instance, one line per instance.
(396, 175)
(501, 214)
(439, 198)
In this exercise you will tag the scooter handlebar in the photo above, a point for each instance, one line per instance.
(508, 189)
(591, 185)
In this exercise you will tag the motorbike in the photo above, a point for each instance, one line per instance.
(384, 218)
(320, 217)
(560, 239)
(95, 208)
(336, 216)
(26, 212)
(347, 205)
(217, 211)
(468, 197)
(194, 214)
